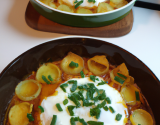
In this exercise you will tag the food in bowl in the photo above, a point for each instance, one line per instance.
(85, 6)
(79, 90)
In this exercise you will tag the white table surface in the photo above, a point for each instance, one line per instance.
(16, 36)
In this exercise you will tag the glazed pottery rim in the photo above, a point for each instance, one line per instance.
(95, 14)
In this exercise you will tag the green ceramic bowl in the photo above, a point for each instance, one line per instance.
(82, 20)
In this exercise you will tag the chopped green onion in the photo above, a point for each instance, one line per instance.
(30, 117)
(75, 1)
(137, 96)
(81, 120)
(74, 87)
(111, 109)
(102, 95)
(62, 86)
(78, 4)
(118, 117)
(91, 1)
(139, 124)
(118, 79)
(101, 83)
(95, 112)
(83, 87)
(97, 79)
(45, 79)
(102, 104)
(41, 108)
(82, 74)
(121, 75)
(72, 121)
(54, 119)
(70, 109)
(50, 78)
(72, 81)
(93, 78)
(108, 100)
(73, 64)
(76, 118)
(87, 103)
(59, 107)
(95, 123)
(105, 108)
(73, 98)
(65, 101)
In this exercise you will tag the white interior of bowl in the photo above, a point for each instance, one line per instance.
(77, 14)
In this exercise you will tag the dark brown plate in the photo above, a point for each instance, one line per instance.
(86, 47)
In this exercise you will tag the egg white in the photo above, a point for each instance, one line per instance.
(63, 118)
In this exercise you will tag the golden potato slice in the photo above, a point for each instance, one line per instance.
(141, 117)
(18, 114)
(46, 1)
(98, 65)
(121, 4)
(28, 90)
(84, 11)
(117, 1)
(71, 57)
(48, 73)
(121, 69)
(66, 8)
(53, 5)
(104, 7)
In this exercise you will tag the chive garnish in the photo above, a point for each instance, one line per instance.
(73, 98)
(111, 109)
(54, 119)
(81, 120)
(45, 79)
(30, 117)
(59, 107)
(62, 86)
(101, 83)
(72, 121)
(91, 1)
(105, 108)
(118, 117)
(76, 118)
(41, 108)
(87, 103)
(108, 100)
(82, 74)
(121, 75)
(93, 78)
(50, 78)
(137, 96)
(65, 101)
(102, 104)
(95, 123)
(102, 95)
(97, 79)
(70, 109)
(78, 4)
(74, 87)
(118, 79)
(75, 1)
(95, 112)
(73, 64)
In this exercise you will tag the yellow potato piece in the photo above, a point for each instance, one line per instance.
(68, 59)
(18, 114)
(84, 11)
(53, 5)
(28, 90)
(121, 4)
(142, 117)
(47, 2)
(66, 8)
(117, 1)
(104, 7)
(49, 69)
(98, 65)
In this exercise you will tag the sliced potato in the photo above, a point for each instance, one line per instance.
(104, 7)
(117, 1)
(68, 59)
(28, 90)
(53, 5)
(66, 8)
(141, 117)
(84, 11)
(18, 114)
(98, 65)
(121, 4)
(47, 2)
(49, 70)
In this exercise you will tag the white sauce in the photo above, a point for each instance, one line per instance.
(63, 118)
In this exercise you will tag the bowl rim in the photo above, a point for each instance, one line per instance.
(75, 14)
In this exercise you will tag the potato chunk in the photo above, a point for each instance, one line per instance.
(66, 8)
(142, 117)
(68, 59)
(50, 72)
(117, 1)
(18, 114)
(104, 7)
(84, 11)
(98, 65)
(28, 90)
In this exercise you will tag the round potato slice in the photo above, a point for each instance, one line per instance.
(66, 8)
(141, 117)
(28, 90)
(84, 11)
(98, 65)
(71, 57)
(18, 114)
(48, 73)
(104, 7)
